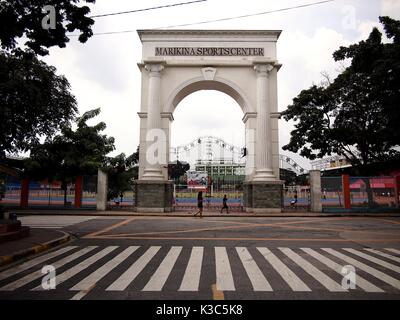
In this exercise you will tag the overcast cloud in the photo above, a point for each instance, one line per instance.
(104, 73)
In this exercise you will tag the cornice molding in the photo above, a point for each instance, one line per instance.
(202, 32)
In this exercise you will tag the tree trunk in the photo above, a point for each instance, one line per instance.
(371, 203)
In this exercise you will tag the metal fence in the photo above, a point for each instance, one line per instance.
(379, 190)
(45, 194)
(124, 201)
(364, 192)
(296, 198)
(185, 198)
(331, 191)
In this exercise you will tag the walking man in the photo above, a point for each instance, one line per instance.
(224, 204)
(199, 204)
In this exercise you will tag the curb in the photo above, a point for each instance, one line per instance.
(4, 260)
(110, 213)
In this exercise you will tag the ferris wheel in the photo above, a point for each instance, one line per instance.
(209, 147)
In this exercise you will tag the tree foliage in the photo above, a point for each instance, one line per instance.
(34, 101)
(178, 169)
(71, 152)
(356, 115)
(122, 171)
(23, 18)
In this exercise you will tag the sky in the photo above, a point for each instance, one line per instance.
(103, 71)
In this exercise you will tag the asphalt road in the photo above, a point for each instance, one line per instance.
(214, 259)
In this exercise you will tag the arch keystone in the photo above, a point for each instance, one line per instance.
(209, 73)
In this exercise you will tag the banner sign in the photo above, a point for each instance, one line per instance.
(197, 179)
(208, 51)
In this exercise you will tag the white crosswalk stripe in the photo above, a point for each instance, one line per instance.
(37, 274)
(81, 266)
(376, 273)
(359, 281)
(288, 275)
(31, 263)
(313, 271)
(223, 270)
(373, 259)
(186, 272)
(393, 250)
(254, 273)
(129, 275)
(383, 254)
(94, 277)
(159, 278)
(191, 278)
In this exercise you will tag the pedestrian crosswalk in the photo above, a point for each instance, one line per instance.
(53, 222)
(189, 269)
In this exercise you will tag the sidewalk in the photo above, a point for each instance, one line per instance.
(38, 241)
(22, 212)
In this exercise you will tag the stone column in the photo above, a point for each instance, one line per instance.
(153, 170)
(315, 190)
(102, 188)
(264, 170)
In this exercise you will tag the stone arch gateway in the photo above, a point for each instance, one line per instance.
(240, 63)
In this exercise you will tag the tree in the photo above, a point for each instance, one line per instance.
(378, 64)
(121, 172)
(23, 18)
(178, 169)
(356, 115)
(71, 153)
(34, 101)
(352, 116)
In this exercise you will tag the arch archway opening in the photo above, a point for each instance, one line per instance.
(207, 113)
(208, 133)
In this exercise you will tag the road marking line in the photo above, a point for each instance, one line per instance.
(376, 273)
(38, 273)
(257, 278)
(26, 265)
(288, 275)
(129, 275)
(80, 267)
(91, 280)
(191, 278)
(245, 225)
(158, 279)
(382, 254)
(393, 250)
(360, 282)
(185, 230)
(373, 259)
(223, 270)
(318, 275)
(109, 228)
(217, 294)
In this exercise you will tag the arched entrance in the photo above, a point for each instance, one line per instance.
(240, 63)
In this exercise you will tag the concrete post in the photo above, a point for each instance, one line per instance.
(78, 192)
(102, 188)
(315, 190)
(397, 191)
(24, 196)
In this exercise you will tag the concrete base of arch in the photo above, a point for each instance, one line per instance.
(263, 196)
(153, 196)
